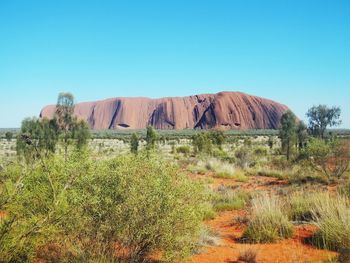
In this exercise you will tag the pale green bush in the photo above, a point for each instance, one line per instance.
(129, 207)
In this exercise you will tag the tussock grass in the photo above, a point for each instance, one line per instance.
(208, 237)
(303, 204)
(225, 170)
(249, 255)
(208, 211)
(221, 169)
(227, 199)
(332, 217)
(269, 223)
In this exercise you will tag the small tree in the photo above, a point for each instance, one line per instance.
(65, 118)
(217, 137)
(288, 132)
(302, 135)
(36, 138)
(81, 133)
(320, 117)
(202, 142)
(49, 135)
(134, 143)
(151, 137)
(330, 157)
(8, 136)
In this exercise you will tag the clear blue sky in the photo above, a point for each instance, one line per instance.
(294, 52)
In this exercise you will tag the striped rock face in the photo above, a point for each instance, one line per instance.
(228, 110)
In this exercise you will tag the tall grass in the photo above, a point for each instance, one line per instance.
(269, 223)
(332, 218)
(303, 204)
(225, 170)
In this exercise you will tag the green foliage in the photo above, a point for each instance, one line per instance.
(8, 136)
(151, 137)
(86, 207)
(208, 211)
(41, 206)
(261, 151)
(302, 135)
(331, 217)
(37, 137)
(344, 189)
(303, 203)
(202, 143)
(184, 149)
(243, 157)
(330, 157)
(69, 127)
(222, 169)
(269, 223)
(320, 117)
(288, 132)
(81, 134)
(64, 111)
(134, 143)
(227, 199)
(217, 137)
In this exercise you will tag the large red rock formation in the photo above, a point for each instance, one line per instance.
(229, 110)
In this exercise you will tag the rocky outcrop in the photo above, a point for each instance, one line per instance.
(228, 110)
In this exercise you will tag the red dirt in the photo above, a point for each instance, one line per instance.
(289, 250)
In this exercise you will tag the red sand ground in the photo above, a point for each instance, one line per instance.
(285, 251)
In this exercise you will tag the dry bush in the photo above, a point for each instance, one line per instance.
(249, 255)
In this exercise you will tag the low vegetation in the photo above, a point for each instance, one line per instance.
(269, 223)
(228, 199)
(118, 196)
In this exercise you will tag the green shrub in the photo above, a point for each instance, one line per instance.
(332, 158)
(184, 149)
(268, 223)
(202, 143)
(208, 212)
(261, 151)
(140, 203)
(243, 157)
